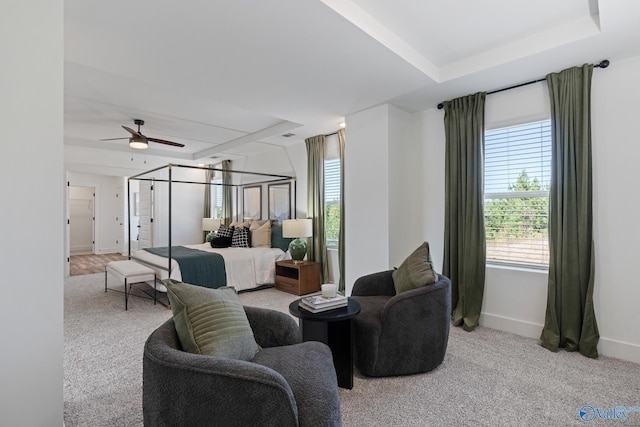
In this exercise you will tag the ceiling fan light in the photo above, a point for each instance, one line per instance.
(138, 143)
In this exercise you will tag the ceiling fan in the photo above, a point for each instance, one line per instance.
(140, 141)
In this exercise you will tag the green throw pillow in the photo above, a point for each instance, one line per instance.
(415, 271)
(277, 241)
(211, 321)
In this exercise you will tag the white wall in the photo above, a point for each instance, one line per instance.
(406, 210)
(515, 299)
(366, 188)
(31, 120)
(187, 208)
(616, 150)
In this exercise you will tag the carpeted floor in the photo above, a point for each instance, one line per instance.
(488, 378)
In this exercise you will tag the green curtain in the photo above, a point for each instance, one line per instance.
(570, 320)
(341, 246)
(227, 193)
(317, 251)
(464, 236)
(206, 212)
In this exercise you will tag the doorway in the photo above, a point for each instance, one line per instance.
(81, 220)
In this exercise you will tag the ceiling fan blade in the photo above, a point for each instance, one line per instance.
(112, 139)
(133, 132)
(163, 141)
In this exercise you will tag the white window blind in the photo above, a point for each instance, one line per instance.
(216, 198)
(332, 201)
(516, 194)
(332, 190)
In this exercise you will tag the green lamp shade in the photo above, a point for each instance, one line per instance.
(298, 249)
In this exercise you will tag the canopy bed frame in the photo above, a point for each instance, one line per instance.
(169, 174)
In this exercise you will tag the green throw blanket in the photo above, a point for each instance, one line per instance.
(197, 267)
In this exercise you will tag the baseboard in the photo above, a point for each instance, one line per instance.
(606, 346)
(514, 326)
(109, 250)
(81, 249)
(619, 349)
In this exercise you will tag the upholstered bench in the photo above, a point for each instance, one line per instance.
(129, 272)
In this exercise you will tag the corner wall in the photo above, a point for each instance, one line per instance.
(366, 193)
(32, 226)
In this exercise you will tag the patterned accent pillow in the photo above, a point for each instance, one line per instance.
(240, 238)
(225, 231)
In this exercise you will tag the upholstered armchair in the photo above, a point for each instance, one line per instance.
(287, 383)
(404, 333)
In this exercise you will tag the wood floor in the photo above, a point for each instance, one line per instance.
(90, 264)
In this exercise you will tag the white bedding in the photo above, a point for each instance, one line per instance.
(246, 268)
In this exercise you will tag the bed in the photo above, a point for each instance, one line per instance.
(246, 268)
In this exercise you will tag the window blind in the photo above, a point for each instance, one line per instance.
(516, 194)
(332, 201)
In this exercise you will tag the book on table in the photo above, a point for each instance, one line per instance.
(318, 303)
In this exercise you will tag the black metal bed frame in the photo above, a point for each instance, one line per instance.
(268, 179)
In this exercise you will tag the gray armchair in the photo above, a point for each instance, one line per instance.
(288, 383)
(400, 334)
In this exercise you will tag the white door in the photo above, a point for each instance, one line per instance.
(145, 212)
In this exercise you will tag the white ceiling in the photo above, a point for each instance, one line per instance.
(229, 78)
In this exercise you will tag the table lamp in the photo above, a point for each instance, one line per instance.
(299, 229)
(211, 225)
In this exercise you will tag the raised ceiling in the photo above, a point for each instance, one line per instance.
(228, 79)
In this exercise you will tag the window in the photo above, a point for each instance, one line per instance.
(216, 194)
(332, 190)
(517, 174)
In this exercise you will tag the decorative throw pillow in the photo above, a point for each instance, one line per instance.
(237, 224)
(240, 238)
(211, 321)
(224, 231)
(221, 242)
(260, 234)
(415, 271)
(277, 241)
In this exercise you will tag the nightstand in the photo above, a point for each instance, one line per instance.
(298, 278)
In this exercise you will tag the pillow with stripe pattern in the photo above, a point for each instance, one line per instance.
(211, 321)
(240, 238)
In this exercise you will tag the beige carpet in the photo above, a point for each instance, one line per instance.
(488, 378)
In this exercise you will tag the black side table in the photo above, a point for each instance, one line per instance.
(334, 328)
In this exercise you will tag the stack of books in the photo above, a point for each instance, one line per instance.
(318, 303)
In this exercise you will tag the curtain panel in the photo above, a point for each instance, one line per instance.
(317, 251)
(464, 239)
(570, 320)
(227, 193)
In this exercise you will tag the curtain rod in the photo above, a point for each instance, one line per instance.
(603, 64)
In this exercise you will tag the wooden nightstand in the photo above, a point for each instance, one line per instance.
(299, 279)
